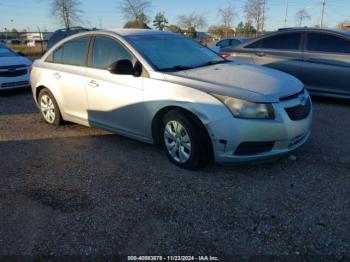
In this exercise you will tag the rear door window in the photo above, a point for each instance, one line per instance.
(75, 52)
(282, 42)
(106, 51)
(327, 43)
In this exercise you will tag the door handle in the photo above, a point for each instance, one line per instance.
(57, 75)
(93, 83)
(260, 54)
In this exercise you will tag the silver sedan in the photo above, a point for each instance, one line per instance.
(320, 58)
(166, 89)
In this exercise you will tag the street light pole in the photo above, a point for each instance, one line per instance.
(286, 15)
(322, 12)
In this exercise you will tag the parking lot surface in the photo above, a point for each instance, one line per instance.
(72, 190)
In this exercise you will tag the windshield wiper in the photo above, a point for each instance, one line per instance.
(175, 68)
(214, 62)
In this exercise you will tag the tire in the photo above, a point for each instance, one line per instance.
(49, 109)
(185, 140)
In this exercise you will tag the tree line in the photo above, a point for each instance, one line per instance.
(136, 15)
(135, 12)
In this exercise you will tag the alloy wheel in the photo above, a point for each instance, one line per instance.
(177, 141)
(48, 109)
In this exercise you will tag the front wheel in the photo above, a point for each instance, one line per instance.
(184, 141)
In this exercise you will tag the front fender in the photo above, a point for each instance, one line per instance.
(160, 94)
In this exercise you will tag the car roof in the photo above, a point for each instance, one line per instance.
(234, 38)
(296, 29)
(134, 32)
(312, 29)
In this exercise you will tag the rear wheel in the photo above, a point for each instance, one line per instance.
(49, 108)
(184, 141)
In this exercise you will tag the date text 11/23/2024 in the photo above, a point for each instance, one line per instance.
(173, 258)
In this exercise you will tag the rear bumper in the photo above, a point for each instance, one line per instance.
(271, 137)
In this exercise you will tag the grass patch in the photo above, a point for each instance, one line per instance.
(30, 52)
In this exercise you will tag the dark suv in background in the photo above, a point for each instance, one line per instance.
(63, 33)
(320, 58)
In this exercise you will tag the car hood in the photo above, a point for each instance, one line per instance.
(14, 60)
(244, 81)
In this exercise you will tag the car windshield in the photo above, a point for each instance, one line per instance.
(5, 52)
(173, 52)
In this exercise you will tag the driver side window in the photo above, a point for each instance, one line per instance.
(107, 51)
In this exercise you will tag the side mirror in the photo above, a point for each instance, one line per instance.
(21, 54)
(122, 67)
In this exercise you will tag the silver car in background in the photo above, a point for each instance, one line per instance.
(228, 42)
(166, 89)
(320, 58)
(14, 69)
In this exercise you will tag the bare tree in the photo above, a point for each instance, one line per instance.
(255, 11)
(67, 11)
(227, 15)
(193, 20)
(302, 15)
(135, 10)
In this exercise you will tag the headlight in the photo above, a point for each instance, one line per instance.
(245, 109)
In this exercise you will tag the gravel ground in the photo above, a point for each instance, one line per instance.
(72, 190)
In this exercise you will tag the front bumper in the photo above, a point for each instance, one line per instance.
(7, 83)
(285, 134)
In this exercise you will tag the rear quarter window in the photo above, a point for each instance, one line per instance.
(55, 56)
(256, 44)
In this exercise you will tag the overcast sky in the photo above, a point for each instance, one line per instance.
(31, 14)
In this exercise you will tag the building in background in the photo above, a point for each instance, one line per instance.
(35, 36)
(33, 39)
(27, 38)
(344, 26)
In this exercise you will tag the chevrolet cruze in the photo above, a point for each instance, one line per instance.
(14, 69)
(166, 89)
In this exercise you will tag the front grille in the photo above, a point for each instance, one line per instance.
(12, 66)
(15, 84)
(252, 148)
(13, 73)
(299, 112)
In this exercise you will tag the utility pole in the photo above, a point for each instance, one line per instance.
(286, 16)
(41, 41)
(322, 12)
(263, 17)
